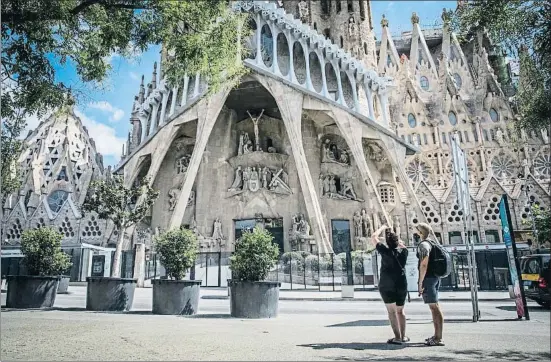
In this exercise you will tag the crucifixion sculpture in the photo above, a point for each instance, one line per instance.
(256, 120)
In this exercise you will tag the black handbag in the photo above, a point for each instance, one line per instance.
(403, 270)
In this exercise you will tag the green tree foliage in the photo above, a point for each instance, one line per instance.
(39, 35)
(523, 27)
(255, 254)
(124, 206)
(542, 220)
(177, 251)
(202, 36)
(42, 252)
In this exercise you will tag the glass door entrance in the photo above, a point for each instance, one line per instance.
(274, 226)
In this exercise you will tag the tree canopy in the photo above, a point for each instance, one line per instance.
(523, 28)
(39, 36)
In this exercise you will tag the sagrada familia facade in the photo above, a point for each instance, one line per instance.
(331, 134)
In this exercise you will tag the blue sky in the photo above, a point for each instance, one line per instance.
(105, 110)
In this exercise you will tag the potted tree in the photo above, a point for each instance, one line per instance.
(250, 296)
(111, 200)
(44, 262)
(177, 250)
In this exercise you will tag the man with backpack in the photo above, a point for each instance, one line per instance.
(434, 264)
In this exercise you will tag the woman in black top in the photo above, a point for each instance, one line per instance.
(393, 282)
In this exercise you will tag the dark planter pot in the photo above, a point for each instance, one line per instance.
(110, 294)
(254, 299)
(25, 291)
(63, 285)
(176, 297)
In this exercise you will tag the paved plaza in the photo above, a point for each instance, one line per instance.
(305, 330)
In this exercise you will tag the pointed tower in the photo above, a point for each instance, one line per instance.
(58, 162)
(346, 22)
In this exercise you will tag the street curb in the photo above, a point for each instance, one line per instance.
(223, 297)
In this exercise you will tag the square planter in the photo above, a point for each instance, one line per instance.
(176, 297)
(26, 291)
(110, 294)
(254, 299)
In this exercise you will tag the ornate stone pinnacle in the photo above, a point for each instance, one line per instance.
(414, 18)
(384, 22)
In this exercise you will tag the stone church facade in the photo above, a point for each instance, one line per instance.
(302, 146)
(444, 88)
(58, 162)
(330, 135)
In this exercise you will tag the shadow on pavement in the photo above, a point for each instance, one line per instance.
(513, 308)
(358, 346)
(209, 316)
(373, 323)
(465, 354)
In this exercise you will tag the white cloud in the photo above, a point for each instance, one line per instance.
(107, 142)
(134, 75)
(116, 113)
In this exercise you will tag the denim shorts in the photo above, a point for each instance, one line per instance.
(430, 290)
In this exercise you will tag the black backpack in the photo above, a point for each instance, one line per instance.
(441, 261)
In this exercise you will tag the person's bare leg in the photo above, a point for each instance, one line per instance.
(438, 320)
(392, 317)
(401, 320)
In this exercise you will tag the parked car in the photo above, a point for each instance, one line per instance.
(535, 276)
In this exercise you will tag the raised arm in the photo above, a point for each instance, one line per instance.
(375, 235)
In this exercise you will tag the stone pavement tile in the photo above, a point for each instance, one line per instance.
(142, 336)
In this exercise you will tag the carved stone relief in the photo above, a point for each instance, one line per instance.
(256, 178)
(299, 234)
(338, 188)
(332, 153)
(363, 228)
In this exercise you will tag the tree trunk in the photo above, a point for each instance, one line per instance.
(116, 272)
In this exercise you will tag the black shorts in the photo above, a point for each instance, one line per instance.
(397, 296)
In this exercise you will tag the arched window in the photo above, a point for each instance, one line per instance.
(362, 10)
(424, 82)
(342, 42)
(494, 116)
(315, 26)
(350, 6)
(325, 7)
(338, 6)
(365, 48)
(56, 200)
(327, 33)
(411, 120)
(458, 81)
(452, 118)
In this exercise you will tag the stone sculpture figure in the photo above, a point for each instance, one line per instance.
(499, 137)
(191, 200)
(366, 223)
(351, 26)
(241, 144)
(246, 176)
(173, 197)
(217, 230)
(525, 168)
(254, 181)
(303, 11)
(332, 185)
(256, 120)
(237, 181)
(265, 177)
(347, 190)
(357, 219)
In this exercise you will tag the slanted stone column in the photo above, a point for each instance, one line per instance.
(290, 103)
(208, 111)
(351, 131)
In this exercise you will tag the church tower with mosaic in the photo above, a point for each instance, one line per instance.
(57, 164)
